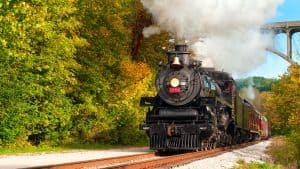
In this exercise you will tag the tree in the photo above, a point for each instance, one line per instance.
(37, 45)
(110, 80)
(260, 83)
(283, 104)
(283, 110)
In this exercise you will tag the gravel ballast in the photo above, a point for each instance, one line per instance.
(229, 160)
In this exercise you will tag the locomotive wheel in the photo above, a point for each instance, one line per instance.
(214, 145)
(211, 145)
(204, 145)
(238, 137)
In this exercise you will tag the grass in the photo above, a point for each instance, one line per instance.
(241, 164)
(31, 149)
(75, 146)
(283, 152)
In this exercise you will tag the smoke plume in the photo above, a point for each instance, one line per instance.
(249, 93)
(227, 31)
(151, 30)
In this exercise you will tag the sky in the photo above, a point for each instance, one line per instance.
(275, 66)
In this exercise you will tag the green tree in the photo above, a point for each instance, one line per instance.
(110, 80)
(260, 83)
(74, 71)
(37, 45)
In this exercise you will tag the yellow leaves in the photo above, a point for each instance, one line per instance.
(80, 42)
(135, 78)
(295, 75)
(3, 43)
(104, 31)
(117, 4)
(283, 103)
(134, 72)
(117, 22)
(294, 119)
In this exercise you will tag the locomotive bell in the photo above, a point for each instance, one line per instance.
(176, 61)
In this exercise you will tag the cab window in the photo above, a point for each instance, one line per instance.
(206, 83)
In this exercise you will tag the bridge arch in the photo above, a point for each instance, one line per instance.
(288, 28)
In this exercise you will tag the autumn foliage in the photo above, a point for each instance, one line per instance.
(67, 74)
(283, 105)
(283, 110)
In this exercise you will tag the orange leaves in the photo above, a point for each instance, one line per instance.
(135, 78)
(134, 72)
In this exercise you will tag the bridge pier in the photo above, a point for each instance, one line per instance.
(289, 28)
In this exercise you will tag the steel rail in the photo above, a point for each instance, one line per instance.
(98, 162)
(144, 161)
(180, 159)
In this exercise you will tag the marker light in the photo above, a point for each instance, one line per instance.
(174, 89)
(174, 82)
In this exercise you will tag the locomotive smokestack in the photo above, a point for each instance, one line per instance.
(181, 47)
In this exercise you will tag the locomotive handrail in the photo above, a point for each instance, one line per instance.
(147, 101)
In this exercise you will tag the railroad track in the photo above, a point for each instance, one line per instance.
(144, 161)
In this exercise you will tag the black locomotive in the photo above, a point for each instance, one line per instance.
(197, 108)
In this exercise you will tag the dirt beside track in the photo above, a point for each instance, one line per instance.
(32, 160)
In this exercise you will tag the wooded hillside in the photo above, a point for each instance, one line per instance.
(73, 71)
(260, 83)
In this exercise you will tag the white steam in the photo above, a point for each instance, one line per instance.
(249, 93)
(250, 90)
(227, 29)
(151, 30)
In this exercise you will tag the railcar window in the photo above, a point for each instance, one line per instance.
(213, 86)
(206, 83)
(213, 89)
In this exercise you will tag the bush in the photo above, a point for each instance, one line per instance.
(284, 152)
(255, 165)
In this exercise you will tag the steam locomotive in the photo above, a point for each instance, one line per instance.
(198, 108)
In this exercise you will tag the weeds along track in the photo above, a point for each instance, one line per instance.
(143, 161)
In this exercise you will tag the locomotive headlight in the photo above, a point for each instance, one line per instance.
(174, 82)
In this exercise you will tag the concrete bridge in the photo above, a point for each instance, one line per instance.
(289, 28)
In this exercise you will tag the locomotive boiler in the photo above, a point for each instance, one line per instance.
(197, 108)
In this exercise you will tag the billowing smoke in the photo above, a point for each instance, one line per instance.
(151, 30)
(227, 30)
(249, 93)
